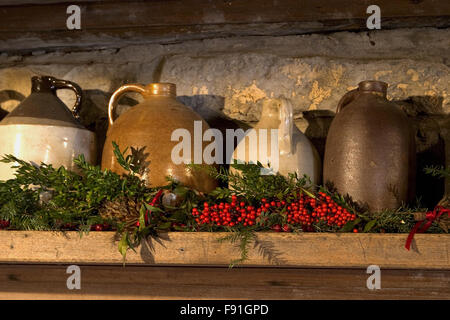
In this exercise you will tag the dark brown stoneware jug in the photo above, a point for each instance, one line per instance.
(370, 149)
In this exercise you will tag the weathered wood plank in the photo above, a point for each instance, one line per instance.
(108, 23)
(132, 14)
(431, 251)
(36, 2)
(115, 282)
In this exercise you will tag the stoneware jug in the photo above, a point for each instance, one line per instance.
(148, 129)
(370, 149)
(295, 152)
(42, 129)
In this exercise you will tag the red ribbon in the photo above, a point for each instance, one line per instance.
(430, 217)
(153, 203)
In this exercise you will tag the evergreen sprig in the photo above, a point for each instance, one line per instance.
(438, 171)
(42, 197)
(247, 181)
(243, 238)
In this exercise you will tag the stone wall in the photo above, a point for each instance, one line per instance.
(225, 79)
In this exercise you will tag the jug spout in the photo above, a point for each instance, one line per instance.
(43, 84)
(161, 89)
(379, 87)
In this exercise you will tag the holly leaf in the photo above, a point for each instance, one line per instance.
(180, 191)
(142, 218)
(124, 163)
(350, 225)
(220, 193)
(165, 226)
(308, 193)
(123, 245)
(152, 208)
(369, 225)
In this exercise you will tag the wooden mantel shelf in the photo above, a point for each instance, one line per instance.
(429, 251)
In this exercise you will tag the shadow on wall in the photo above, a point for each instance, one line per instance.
(319, 122)
(8, 95)
(210, 108)
(94, 114)
(3, 113)
(431, 126)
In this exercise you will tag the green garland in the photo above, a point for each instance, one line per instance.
(47, 198)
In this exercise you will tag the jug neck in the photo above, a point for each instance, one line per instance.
(270, 110)
(161, 90)
(46, 109)
(373, 87)
(43, 84)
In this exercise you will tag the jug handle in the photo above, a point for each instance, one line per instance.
(346, 99)
(64, 84)
(285, 129)
(118, 93)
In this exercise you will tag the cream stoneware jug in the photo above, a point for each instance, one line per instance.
(42, 129)
(295, 152)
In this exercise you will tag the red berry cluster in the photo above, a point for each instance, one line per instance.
(307, 210)
(94, 227)
(4, 224)
(303, 212)
(231, 214)
(279, 228)
(100, 227)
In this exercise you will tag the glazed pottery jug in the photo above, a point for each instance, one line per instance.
(370, 149)
(148, 129)
(295, 152)
(42, 129)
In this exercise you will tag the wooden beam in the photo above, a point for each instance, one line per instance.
(115, 23)
(430, 251)
(115, 282)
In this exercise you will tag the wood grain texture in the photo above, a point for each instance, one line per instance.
(115, 282)
(42, 24)
(429, 251)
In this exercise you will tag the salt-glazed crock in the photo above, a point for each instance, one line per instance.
(295, 152)
(370, 149)
(42, 129)
(147, 128)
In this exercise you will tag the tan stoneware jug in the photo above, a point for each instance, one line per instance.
(149, 128)
(42, 129)
(370, 149)
(296, 154)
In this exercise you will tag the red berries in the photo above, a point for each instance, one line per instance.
(103, 227)
(97, 227)
(230, 214)
(303, 212)
(276, 228)
(307, 211)
(4, 224)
